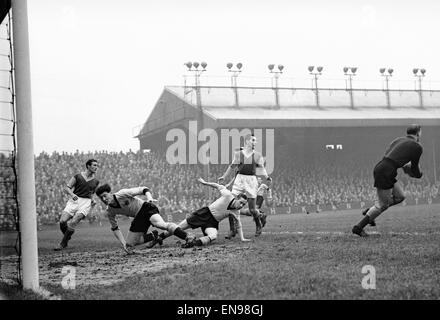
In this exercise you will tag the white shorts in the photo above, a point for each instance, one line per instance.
(81, 205)
(245, 184)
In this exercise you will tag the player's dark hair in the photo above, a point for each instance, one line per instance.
(242, 195)
(90, 161)
(413, 129)
(103, 188)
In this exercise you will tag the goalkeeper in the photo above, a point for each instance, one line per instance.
(405, 153)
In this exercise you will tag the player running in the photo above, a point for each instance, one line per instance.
(405, 153)
(247, 160)
(126, 202)
(208, 218)
(80, 189)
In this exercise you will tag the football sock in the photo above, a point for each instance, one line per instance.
(63, 227)
(164, 235)
(148, 237)
(68, 234)
(231, 223)
(365, 220)
(180, 233)
(202, 241)
(374, 212)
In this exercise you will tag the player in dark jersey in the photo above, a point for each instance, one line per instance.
(405, 153)
(247, 162)
(80, 189)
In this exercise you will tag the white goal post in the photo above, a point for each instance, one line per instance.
(25, 147)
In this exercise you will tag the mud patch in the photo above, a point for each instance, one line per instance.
(110, 267)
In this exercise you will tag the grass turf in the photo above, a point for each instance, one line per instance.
(297, 257)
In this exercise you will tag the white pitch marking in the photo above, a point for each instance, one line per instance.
(340, 233)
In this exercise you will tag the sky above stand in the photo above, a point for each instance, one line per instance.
(98, 67)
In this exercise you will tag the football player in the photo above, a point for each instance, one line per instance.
(246, 161)
(80, 189)
(208, 218)
(405, 153)
(262, 190)
(126, 202)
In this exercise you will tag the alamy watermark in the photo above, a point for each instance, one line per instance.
(69, 280)
(369, 280)
(216, 147)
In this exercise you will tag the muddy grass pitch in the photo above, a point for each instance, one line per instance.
(297, 257)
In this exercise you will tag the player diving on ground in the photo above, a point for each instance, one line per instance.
(208, 218)
(126, 202)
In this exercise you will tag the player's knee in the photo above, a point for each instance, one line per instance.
(255, 212)
(72, 224)
(171, 227)
(158, 222)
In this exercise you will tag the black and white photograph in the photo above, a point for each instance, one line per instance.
(219, 155)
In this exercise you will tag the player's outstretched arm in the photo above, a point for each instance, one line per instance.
(210, 184)
(116, 231)
(120, 237)
(240, 229)
(230, 183)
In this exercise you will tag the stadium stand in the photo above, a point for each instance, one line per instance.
(176, 188)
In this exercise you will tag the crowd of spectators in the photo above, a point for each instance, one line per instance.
(176, 189)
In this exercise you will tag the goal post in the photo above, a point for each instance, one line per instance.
(25, 147)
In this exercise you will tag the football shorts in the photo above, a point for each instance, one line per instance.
(81, 205)
(245, 184)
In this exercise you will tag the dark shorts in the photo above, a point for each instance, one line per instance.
(385, 173)
(260, 200)
(141, 221)
(202, 218)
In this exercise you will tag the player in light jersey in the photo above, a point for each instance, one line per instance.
(208, 218)
(80, 189)
(247, 161)
(126, 202)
